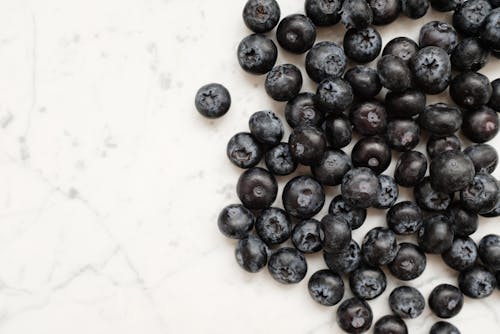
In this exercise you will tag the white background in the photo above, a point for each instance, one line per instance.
(111, 183)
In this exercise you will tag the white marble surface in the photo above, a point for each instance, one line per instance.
(111, 182)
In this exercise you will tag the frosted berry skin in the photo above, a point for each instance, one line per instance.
(495, 212)
(334, 95)
(414, 9)
(481, 195)
(354, 216)
(338, 131)
(261, 15)
(446, 301)
(303, 197)
(325, 60)
(477, 282)
(287, 265)
(405, 218)
(296, 33)
(335, 233)
(436, 33)
(362, 45)
(323, 13)
(251, 254)
(451, 171)
(279, 160)
(490, 33)
(483, 156)
(469, 55)
(436, 235)
(307, 145)
(494, 102)
(464, 222)
(469, 17)
(443, 327)
(409, 263)
(332, 168)
(379, 246)
(372, 152)
(326, 287)
(266, 127)
(394, 73)
(390, 324)
(369, 117)
(431, 69)
(429, 199)
(243, 150)
(212, 100)
(306, 236)
(364, 81)
(410, 169)
(489, 251)
(283, 82)
(354, 316)
(345, 260)
(356, 14)
(402, 47)
(405, 104)
(437, 145)
(462, 254)
(235, 221)
(440, 119)
(257, 188)
(302, 111)
(470, 90)
(480, 125)
(406, 302)
(257, 54)
(403, 134)
(273, 226)
(388, 193)
(360, 187)
(384, 11)
(367, 282)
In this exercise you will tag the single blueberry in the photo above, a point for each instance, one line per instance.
(212, 100)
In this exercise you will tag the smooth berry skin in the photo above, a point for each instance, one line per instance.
(266, 127)
(445, 5)
(369, 117)
(345, 260)
(409, 263)
(470, 90)
(235, 221)
(261, 15)
(483, 156)
(390, 324)
(335, 233)
(334, 96)
(257, 188)
(436, 234)
(490, 33)
(212, 100)
(464, 222)
(326, 287)
(469, 55)
(354, 316)
(356, 14)
(402, 134)
(303, 197)
(477, 282)
(325, 60)
(287, 265)
(360, 187)
(414, 9)
(332, 168)
(470, 16)
(355, 216)
(283, 82)
(302, 111)
(257, 54)
(244, 151)
(379, 246)
(296, 33)
(338, 131)
(364, 81)
(462, 254)
(494, 102)
(451, 171)
(406, 302)
(446, 301)
(481, 195)
(441, 119)
(405, 218)
(431, 68)
(251, 254)
(372, 152)
(279, 160)
(307, 145)
(323, 13)
(405, 104)
(273, 226)
(410, 169)
(480, 125)
(384, 11)
(402, 47)
(429, 199)
(489, 251)
(443, 327)
(362, 45)
(394, 73)
(306, 236)
(388, 193)
(437, 145)
(367, 283)
(437, 33)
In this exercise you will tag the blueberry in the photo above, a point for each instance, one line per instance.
(428, 198)
(470, 16)
(446, 301)
(266, 127)
(451, 171)
(257, 54)
(414, 9)
(489, 251)
(402, 47)
(332, 168)
(490, 33)
(406, 302)
(464, 222)
(443, 327)
(445, 5)
(323, 13)
(360, 187)
(362, 45)
(335, 233)
(437, 145)
(273, 226)
(326, 287)
(469, 55)
(441, 119)
(495, 95)
(384, 11)
(394, 73)
(481, 195)
(283, 82)
(369, 117)
(307, 145)
(495, 3)
(338, 131)
(251, 254)
(410, 169)
(437, 33)
(367, 282)
(431, 69)
(379, 246)
(334, 95)
(303, 197)
(279, 160)
(212, 100)
(364, 81)
(405, 218)
(356, 14)
(477, 282)
(325, 60)
(495, 212)
(462, 254)
(235, 221)
(287, 265)
(345, 260)
(372, 152)
(436, 234)
(409, 263)
(402, 134)
(296, 33)
(354, 316)
(243, 150)
(388, 193)
(302, 111)
(470, 90)
(261, 15)
(405, 104)
(257, 188)
(390, 324)
(306, 236)
(483, 156)
(354, 216)
(480, 125)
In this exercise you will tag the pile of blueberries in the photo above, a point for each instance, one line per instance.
(447, 202)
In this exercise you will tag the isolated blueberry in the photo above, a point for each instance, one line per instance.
(307, 145)
(451, 171)
(410, 169)
(437, 33)
(302, 111)
(477, 282)
(405, 218)
(243, 150)
(303, 197)
(369, 117)
(443, 327)
(464, 222)
(332, 168)
(306, 236)
(406, 302)
(489, 251)
(462, 254)
(326, 287)
(469, 17)
(390, 324)
(402, 47)
(325, 60)
(495, 95)
(335, 233)
(287, 265)
(323, 13)
(235, 221)
(273, 226)
(402, 134)
(251, 254)
(388, 193)
(266, 127)
(257, 188)
(283, 82)
(354, 316)
(354, 216)
(481, 195)
(436, 234)
(428, 198)
(334, 95)
(405, 104)
(394, 73)
(470, 89)
(364, 81)
(257, 54)
(483, 156)
(431, 69)
(212, 100)
(446, 301)
(437, 145)
(338, 131)
(261, 15)
(441, 119)
(445, 5)
(480, 125)
(344, 260)
(469, 55)
(279, 160)
(362, 45)
(360, 187)
(356, 14)
(296, 33)
(367, 282)
(414, 9)
(372, 152)
(409, 263)
(384, 11)
(379, 246)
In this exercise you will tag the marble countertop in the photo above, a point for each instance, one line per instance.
(111, 182)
